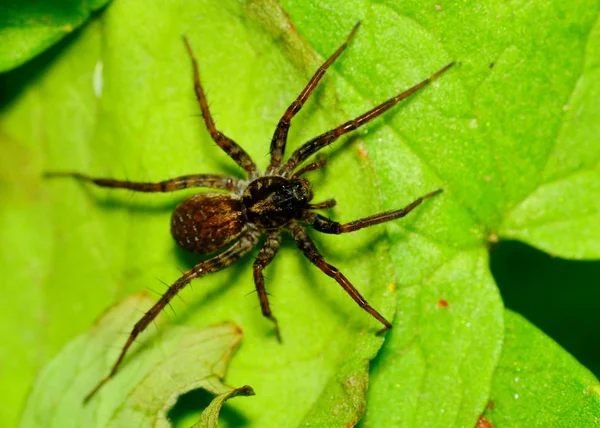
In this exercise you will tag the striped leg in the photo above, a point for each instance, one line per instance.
(229, 146)
(324, 225)
(281, 132)
(217, 263)
(213, 181)
(323, 140)
(264, 257)
(306, 245)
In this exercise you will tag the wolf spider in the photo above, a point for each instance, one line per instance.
(263, 204)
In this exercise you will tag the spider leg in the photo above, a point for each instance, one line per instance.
(323, 224)
(264, 257)
(217, 263)
(213, 181)
(306, 245)
(229, 146)
(328, 203)
(281, 132)
(313, 166)
(311, 147)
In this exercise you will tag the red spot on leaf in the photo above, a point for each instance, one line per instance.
(482, 422)
(443, 303)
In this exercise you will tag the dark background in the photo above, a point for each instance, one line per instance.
(561, 297)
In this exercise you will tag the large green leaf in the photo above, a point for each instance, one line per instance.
(514, 144)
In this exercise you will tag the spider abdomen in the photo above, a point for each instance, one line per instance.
(207, 222)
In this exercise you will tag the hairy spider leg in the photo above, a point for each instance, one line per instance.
(213, 181)
(311, 147)
(281, 132)
(264, 257)
(307, 246)
(327, 203)
(325, 225)
(229, 146)
(243, 246)
(313, 166)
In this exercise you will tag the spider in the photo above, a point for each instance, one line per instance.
(263, 204)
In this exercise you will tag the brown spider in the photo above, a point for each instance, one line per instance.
(263, 204)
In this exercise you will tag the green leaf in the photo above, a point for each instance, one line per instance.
(210, 415)
(28, 28)
(537, 384)
(561, 215)
(157, 372)
(80, 248)
(436, 366)
(494, 133)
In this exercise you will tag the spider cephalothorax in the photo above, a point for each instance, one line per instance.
(272, 202)
(264, 204)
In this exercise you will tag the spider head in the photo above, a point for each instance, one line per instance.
(272, 201)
